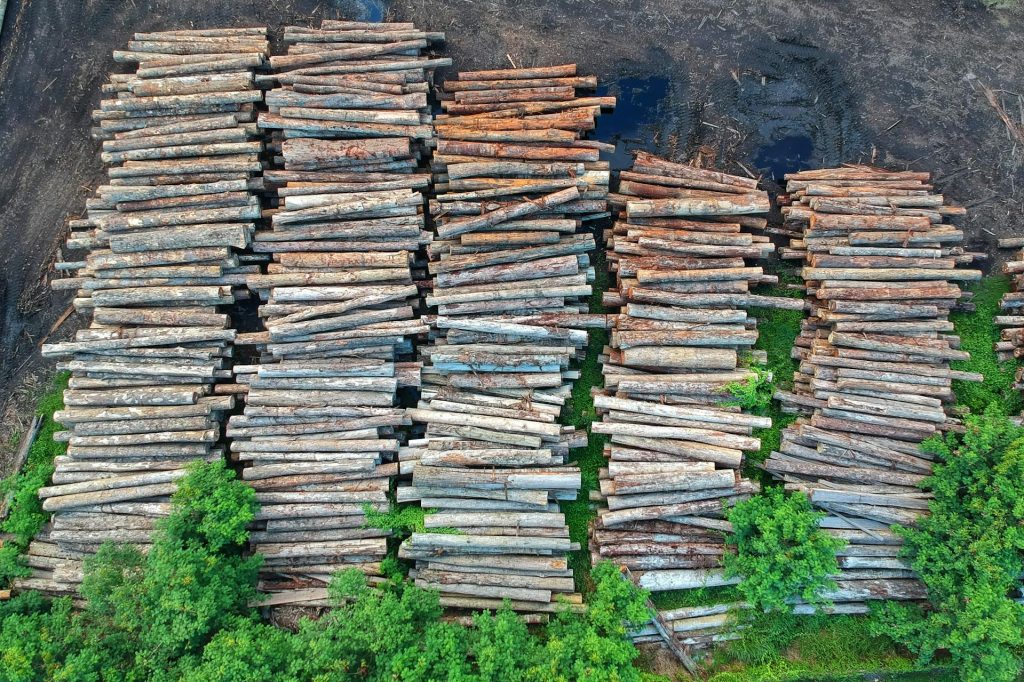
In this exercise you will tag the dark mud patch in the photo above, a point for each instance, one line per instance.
(784, 107)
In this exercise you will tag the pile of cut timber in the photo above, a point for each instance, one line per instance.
(874, 379)
(1011, 339)
(510, 281)
(318, 431)
(680, 342)
(162, 237)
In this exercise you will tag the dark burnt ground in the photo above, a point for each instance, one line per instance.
(816, 83)
(750, 86)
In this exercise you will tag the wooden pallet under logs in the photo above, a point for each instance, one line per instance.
(874, 379)
(511, 274)
(680, 252)
(350, 125)
(162, 238)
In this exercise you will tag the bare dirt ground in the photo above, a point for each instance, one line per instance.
(753, 86)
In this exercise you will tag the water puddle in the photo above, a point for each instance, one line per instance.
(360, 10)
(786, 154)
(632, 124)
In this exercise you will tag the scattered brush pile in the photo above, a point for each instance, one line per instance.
(162, 239)
(350, 126)
(680, 354)
(875, 378)
(510, 279)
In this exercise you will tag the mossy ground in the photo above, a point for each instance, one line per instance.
(579, 412)
(26, 515)
(777, 332)
(782, 648)
(978, 333)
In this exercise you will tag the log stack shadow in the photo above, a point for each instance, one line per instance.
(511, 274)
(349, 121)
(162, 239)
(874, 380)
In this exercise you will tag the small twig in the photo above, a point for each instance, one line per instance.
(746, 170)
(1015, 129)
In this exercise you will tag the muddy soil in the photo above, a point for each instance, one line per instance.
(755, 87)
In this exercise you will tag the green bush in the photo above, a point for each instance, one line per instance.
(968, 552)
(147, 617)
(755, 394)
(183, 612)
(779, 550)
(26, 516)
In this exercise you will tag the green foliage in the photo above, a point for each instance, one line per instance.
(978, 333)
(580, 412)
(970, 554)
(702, 596)
(595, 647)
(777, 332)
(212, 509)
(394, 632)
(755, 394)
(781, 647)
(779, 550)
(247, 651)
(403, 520)
(26, 515)
(149, 617)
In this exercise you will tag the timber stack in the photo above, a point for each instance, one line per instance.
(338, 299)
(1011, 338)
(510, 279)
(680, 345)
(162, 239)
(874, 377)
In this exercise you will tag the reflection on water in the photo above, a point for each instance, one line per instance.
(785, 155)
(630, 126)
(360, 10)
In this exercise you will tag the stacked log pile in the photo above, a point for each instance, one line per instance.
(874, 378)
(511, 275)
(162, 238)
(338, 299)
(1011, 339)
(680, 344)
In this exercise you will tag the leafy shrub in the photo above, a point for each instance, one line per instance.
(755, 394)
(780, 552)
(147, 617)
(26, 516)
(403, 520)
(968, 552)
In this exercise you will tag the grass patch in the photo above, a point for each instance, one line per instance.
(777, 332)
(702, 596)
(580, 412)
(26, 514)
(780, 647)
(978, 333)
